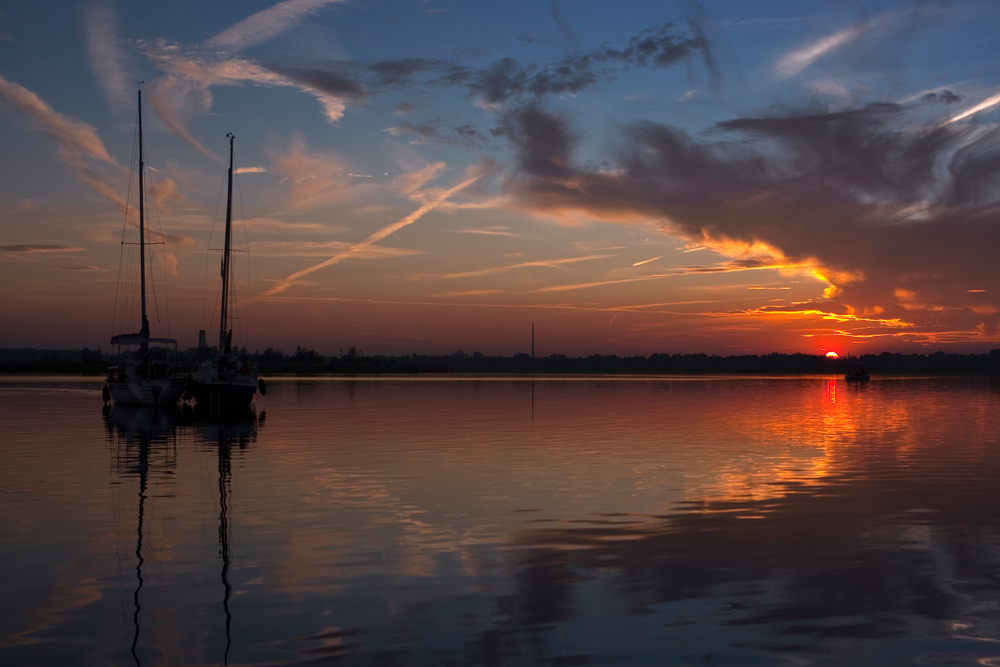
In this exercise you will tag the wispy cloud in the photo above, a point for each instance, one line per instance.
(284, 227)
(985, 104)
(872, 28)
(440, 197)
(78, 145)
(492, 232)
(40, 248)
(190, 75)
(467, 293)
(801, 58)
(173, 97)
(651, 308)
(325, 248)
(267, 24)
(86, 268)
(104, 48)
(69, 133)
(314, 179)
(493, 270)
(191, 72)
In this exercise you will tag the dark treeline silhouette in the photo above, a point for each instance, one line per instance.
(29, 360)
(306, 361)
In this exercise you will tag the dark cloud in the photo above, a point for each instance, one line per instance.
(660, 47)
(944, 97)
(338, 79)
(901, 219)
(463, 135)
(395, 72)
(469, 135)
(454, 75)
(543, 141)
(424, 130)
(508, 78)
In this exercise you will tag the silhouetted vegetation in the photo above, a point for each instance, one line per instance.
(354, 362)
(29, 360)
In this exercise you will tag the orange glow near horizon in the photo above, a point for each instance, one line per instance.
(832, 355)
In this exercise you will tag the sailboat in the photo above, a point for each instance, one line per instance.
(146, 376)
(226, 381)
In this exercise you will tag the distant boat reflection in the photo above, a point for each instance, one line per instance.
(145, 440)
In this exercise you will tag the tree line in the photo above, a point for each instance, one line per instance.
(354, 361)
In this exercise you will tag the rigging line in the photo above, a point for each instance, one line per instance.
(246, 237)
(121, 251)
(245, 328)
(163, 259)
(204, 287)
(152, 281)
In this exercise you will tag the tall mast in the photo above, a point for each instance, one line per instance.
(223, 325)
(142, 228)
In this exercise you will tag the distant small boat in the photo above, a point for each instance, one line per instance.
(857, 374)
(226, 381)
(145, 374)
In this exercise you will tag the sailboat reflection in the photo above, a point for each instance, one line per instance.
(146, 443)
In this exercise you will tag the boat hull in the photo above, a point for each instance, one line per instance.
(164, 391)
(233, 394)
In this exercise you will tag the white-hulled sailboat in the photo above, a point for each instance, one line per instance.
(145, 375)
(226, 381)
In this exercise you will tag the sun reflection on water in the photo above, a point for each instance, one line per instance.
(455, 521)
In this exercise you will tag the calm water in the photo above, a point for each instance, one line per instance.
(713, 521)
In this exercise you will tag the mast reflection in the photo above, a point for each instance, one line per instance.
(145, 438)
(145, 441)
(237, 427)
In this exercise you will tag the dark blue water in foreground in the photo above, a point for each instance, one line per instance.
(777, 521)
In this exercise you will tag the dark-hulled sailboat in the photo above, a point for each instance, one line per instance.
(226, 381)
(144, 375)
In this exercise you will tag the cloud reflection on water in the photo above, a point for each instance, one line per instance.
(564, 522)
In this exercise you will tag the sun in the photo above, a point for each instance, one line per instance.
(832, 355)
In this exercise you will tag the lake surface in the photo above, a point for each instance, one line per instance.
(462, 521)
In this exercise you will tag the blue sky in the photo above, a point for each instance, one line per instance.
(632, 177)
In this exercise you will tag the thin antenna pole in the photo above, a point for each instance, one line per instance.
(532, 340)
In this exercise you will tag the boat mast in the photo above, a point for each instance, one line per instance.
(223, 325)
(144, 332)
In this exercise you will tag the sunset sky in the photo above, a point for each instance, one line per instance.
(427, 176)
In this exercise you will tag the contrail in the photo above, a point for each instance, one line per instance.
(284, 284)
(985, 104)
